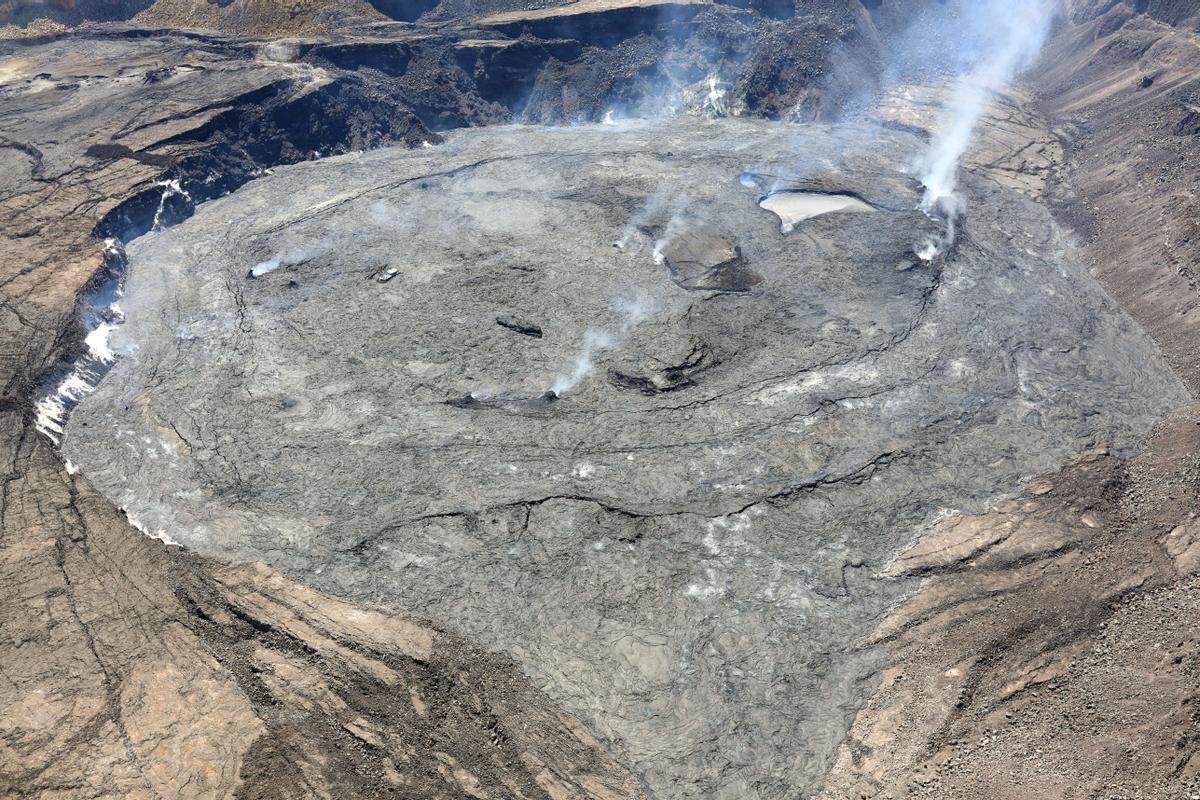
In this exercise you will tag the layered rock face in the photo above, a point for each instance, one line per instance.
(576, 394)
(1124, 88)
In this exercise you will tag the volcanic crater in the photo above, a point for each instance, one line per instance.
(667, 477)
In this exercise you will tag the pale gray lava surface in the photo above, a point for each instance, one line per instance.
(683, 548)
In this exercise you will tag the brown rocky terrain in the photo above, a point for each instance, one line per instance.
(1123, 89)
(1049, 651)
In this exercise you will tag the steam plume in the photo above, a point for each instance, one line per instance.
(633, 311)
(1014, 32)
(594, 343)
(289, 258)
(170, 188)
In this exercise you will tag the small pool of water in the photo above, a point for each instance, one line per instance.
(793, 207)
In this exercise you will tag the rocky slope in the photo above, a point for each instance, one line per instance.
(136, 670)
(1087, 687)
(1123, 88)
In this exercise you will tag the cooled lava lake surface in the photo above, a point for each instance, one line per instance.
(575, 394)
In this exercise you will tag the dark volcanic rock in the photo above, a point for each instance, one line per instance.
(116, 132)
(685, 536)
(520, 326)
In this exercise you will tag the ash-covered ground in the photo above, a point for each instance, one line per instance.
(343, 370)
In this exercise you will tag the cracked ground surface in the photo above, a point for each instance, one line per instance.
(688, 545)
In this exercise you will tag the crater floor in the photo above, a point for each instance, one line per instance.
(574, 394)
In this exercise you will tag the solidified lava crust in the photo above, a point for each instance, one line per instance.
(692, 571)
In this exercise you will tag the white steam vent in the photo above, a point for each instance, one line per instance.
(1015, 31)
(715, 101)
(290, 258)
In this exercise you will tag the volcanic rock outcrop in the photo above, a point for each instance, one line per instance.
(673, 508)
